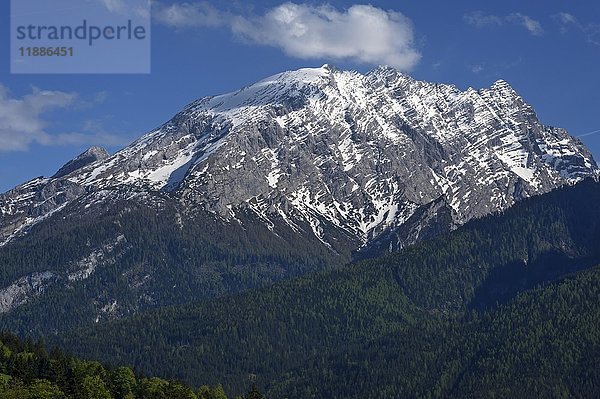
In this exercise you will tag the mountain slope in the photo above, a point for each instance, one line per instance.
(438, 311)
(87, 264)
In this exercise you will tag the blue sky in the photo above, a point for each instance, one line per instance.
(548, 51)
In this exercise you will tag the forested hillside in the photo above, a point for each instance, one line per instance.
(507, 306)
(101, 264)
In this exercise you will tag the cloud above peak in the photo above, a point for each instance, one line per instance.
(361, 33)
(480, 19)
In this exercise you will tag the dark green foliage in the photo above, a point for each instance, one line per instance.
(539, 345)
(94, 387)
(123, 382)
(507, 306)
(57, 376)
(254, 393)
(216, 392)
(543, 343)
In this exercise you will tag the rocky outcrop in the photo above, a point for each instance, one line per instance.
(24, 289)
(91, 155)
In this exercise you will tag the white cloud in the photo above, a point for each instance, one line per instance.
(22, 122)
(114, 5)
(476, 68)
(481, 20)
(593, 34)
(533, 26)
(362, 33)
(567, 21)
(20, 119)
(139, 8)
(566, 18)
(189, 15)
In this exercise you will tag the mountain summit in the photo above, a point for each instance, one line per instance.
(333, 149)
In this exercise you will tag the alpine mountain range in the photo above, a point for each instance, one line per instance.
(344, 163)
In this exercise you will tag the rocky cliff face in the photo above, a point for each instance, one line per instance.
(331, 149)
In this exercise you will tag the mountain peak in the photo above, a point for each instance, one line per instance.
(91, 155)
(99, 152)
(385, 69)
(502, 84)
(330, 149)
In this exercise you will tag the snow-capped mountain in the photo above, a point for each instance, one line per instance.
(364, 154)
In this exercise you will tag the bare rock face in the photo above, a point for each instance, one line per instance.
(364, 154)
(21, 291)
(91, 155)
(39, 198)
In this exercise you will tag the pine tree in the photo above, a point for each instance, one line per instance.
(254, 393)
